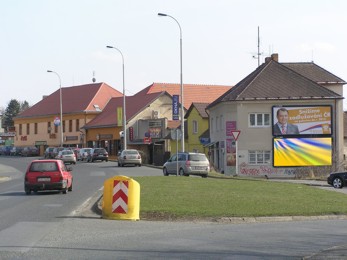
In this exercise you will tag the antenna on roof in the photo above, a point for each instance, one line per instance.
(257, 56)
(93, 79)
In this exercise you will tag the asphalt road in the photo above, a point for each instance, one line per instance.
(55, 226)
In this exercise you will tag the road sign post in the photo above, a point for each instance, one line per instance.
(236, 136)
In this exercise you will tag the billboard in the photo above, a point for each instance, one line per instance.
(292, 152)
(302, 120)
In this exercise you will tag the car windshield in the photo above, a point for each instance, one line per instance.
(43, 167)
(197, 157)
(67, 152)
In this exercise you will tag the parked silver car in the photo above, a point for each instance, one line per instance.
(83, 154)
(186, 164)
(67, 156)
(129, 156)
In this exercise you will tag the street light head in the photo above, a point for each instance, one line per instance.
(111, 47)
(161, 14)
(49, 71)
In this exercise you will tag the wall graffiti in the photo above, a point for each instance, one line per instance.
(254, 170)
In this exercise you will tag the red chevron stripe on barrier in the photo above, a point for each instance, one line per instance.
(120, 197)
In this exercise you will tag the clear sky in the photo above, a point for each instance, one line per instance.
(220, 39)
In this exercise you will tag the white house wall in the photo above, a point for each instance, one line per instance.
(260, 138)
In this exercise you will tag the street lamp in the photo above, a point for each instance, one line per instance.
(61, 109)
(124, 112)
(181, 77)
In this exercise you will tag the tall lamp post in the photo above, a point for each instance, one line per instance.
(181, 77)
(61, 109)
(124, 111)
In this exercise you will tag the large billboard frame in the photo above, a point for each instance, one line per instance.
(302, 120)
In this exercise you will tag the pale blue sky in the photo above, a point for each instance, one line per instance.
(219, 40)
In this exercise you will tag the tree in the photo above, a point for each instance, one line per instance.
(24, 106)
(12, 110)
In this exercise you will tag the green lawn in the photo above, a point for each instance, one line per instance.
(178, 197)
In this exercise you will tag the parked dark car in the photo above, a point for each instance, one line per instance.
(5, 150)
(97, 154)
(47, 175)
(49, 153)
(30, 151)
(15, 151)
(337, 179)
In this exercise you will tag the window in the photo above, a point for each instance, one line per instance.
(49, 128)
(195, 127)
(20, 129)
(217, 118)
(70, 125)
(35, 128)
(77, 125)
(221, 122)
(55, 129)
(259, 119)
(259, 157)
(63, 126)
(28, 129)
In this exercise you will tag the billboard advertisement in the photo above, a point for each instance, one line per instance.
(302, 120)
(298, 152)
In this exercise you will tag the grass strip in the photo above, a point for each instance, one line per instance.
(200, 197)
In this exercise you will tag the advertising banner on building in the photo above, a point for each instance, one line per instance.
(302, 120)
(175, 107)
(119, 116)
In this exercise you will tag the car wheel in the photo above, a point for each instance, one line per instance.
(181, 172)
(165, 172)
(65, 191)
(70, 188)
(204, 176)
(337, 183)
(139, 165)
(106, 160)
(27, 191)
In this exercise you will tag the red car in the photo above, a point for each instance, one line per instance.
(47, 175)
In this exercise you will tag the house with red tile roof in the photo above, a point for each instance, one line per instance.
(80, 104)
(191, 92)
(90, 117)
(149, 120)
(146, 116)
(251, 124)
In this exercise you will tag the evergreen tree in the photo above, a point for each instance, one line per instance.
(24, 106)
(12, 110)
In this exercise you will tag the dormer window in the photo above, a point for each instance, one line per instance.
(97, 108)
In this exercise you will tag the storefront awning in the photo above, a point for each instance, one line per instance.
(210, 144)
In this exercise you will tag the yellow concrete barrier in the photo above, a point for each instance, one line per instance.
(121, 199)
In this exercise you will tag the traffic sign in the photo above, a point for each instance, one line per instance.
(235, 134)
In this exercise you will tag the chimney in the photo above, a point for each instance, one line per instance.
(274, 56)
